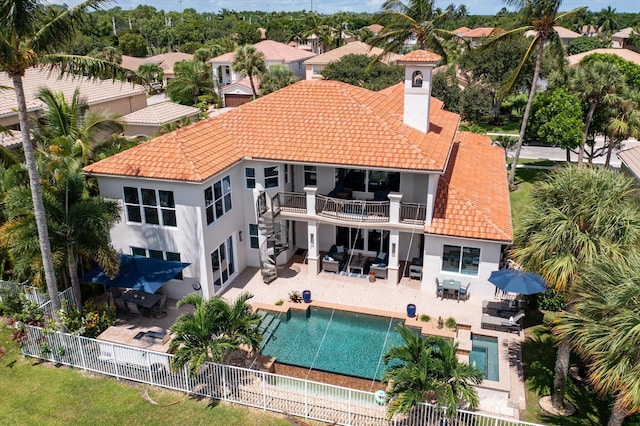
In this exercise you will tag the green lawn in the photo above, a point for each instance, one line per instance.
(525, 179)
(539, 356)
(34, 394)
(508, 127)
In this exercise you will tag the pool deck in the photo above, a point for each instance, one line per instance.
(505, 397)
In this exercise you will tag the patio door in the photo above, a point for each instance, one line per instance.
(223, 264)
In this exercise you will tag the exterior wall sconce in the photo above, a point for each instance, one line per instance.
(393, 249)
(312, 237)
(240, 235)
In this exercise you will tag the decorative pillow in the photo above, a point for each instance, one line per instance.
(339, 249)
(380, 265)
(382, 256)
(328, 258)
(511, 321)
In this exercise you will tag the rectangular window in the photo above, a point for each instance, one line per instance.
(271, 177)
(461, 260)
(217, 199)
(310, 176)
(176, 257)
(316, 69)
(254, 242)
(155, 207)
(250, 177)
(372, 240)
(137, 251)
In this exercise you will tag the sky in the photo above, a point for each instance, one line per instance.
(476, 7)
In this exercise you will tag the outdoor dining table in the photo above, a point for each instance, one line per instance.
(451, 286)
(141, 298)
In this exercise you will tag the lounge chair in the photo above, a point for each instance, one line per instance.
(330, 264)
(379, 265)
(501, 324)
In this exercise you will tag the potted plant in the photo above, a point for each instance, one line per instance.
(306, 296)
(295, 296)
(411, 310)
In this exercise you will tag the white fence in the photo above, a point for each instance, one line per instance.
(33, 294)
(303, 398)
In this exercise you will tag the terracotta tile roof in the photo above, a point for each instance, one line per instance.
(420, 56)
(11, 140)
(318, 122)
(95, 92)
(478, 32)
(160, 113)
(461, 30)
(626, 54)
(375, 28)
(565, 32)
(623, 33)
(353, 48)
(473, 196)
(273, 52)
(166, 61)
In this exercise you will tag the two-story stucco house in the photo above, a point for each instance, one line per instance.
(316, 166)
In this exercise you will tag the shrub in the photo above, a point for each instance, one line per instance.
(451, 323)
(92, 321)
(280, 302)
(425, 318)
(550, 300)
(11, 303)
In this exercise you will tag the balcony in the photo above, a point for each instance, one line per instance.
(350, 210)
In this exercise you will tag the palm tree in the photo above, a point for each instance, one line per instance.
(578, 217)
(249, 62)
(595, 81)
(414, 18)
(150, 72)
(625, 120)
(542, 16)
(426, 369)
(213, 329)
(32, 34)
(275, 78)
(85, 130)
(603, 329)
(79, 224)
(107, 53)
(607, 20)
(193, 79)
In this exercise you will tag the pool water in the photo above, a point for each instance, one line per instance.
(354, 343)
(484, 355)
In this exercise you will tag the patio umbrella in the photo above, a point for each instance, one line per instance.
(138, 273)
(514, 281)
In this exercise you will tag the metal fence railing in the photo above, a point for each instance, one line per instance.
(268, 391)
(33, 294)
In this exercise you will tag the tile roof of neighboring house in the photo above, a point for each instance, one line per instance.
(565, 32)
(95, 91)
(461, 30)
(623, 33)
(11, 140)
(478, 32)
(321, 122)
(631, 158)
(244, 83)
(160, 113)
(420, 56)
(8, 103)
(627, 54)
(166, 61)
(353, 48)
(273, 51)
(375, 28)
(472, 200)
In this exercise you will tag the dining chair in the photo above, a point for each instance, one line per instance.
(133, 310)
(159, 309)
(120, 305)
(464, 292)
(439, 288)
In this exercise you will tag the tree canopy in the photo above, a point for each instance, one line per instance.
(356, 70)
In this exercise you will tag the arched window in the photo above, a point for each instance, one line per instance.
(416, 80)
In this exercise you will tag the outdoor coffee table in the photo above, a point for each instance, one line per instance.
(357, 264)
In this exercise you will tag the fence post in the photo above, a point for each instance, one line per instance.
(115, 361)
(306, 402)
(224, 382)
(350, 396)
(80, 344)
(264, 391)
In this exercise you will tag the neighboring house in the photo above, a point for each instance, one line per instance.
(565, 35)
(238, 93)
(11, 140)
(315, 65)
(622, 39)
(630, 162)
(375, 28)
(113, 96)
(477, 36)
(626, 54)
(166, 61)
(146, 122)
(461, 31)
(316, 164)
(274, 53)
(590, 31)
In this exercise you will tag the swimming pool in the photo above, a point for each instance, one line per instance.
(484, 355)
(353, 344)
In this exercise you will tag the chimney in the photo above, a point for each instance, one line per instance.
(418, 67)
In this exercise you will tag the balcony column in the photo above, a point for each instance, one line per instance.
(311, 199)
(432, 188)
(394, 207)
(312, 250)
(393, 267)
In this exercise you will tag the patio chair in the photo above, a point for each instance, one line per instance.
(159, 310)
(121, 305)
(501, 324)
(133, 310)
(439, 288)
(464, 292)
(330, 264)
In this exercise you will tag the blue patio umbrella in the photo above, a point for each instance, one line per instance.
(139, 273)
(514, 281)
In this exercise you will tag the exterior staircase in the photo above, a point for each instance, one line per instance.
(276, 240)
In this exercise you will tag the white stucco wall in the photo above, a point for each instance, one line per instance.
(489, 261)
